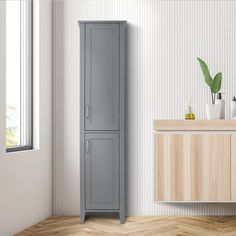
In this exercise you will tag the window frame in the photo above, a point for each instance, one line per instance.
(26, 91)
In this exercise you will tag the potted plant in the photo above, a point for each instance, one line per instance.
(212, 110)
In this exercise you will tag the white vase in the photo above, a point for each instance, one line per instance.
(213, 111)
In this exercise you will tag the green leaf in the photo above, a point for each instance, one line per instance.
(216, 85)
(205, 71)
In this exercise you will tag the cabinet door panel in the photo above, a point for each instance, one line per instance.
(102, 77)
(192, 167)
(102, 171)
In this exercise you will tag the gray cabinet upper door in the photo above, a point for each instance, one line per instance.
(102, 171)
(102, 77)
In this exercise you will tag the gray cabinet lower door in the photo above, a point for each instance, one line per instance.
(102, 171)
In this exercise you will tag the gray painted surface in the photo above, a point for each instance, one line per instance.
(102, 22)
(102, 77)
(102, 108)
(102, 171)
(122, 122)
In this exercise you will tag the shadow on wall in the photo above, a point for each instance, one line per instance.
(126, 113)
(196, 208)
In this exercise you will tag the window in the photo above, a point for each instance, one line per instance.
(19, 75)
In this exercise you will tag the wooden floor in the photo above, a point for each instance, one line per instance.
(135, 226)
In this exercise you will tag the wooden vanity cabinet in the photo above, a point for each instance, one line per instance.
(195, 166)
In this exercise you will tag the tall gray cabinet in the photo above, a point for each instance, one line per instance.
(102, 120)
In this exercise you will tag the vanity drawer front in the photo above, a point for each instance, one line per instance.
(192, 167)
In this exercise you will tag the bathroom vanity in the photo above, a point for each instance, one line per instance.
(195, 160)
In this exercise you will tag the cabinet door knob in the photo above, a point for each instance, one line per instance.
(87, 146)
(87, 111)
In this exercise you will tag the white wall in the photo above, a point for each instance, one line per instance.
(26, 177)
(163, 40)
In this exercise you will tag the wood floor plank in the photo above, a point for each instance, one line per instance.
(134, 226)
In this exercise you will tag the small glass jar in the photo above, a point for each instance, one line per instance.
(189, 114)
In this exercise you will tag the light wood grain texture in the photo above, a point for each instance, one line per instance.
(192, 167)
(195, 125)
(233, 167)
(135, 226)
